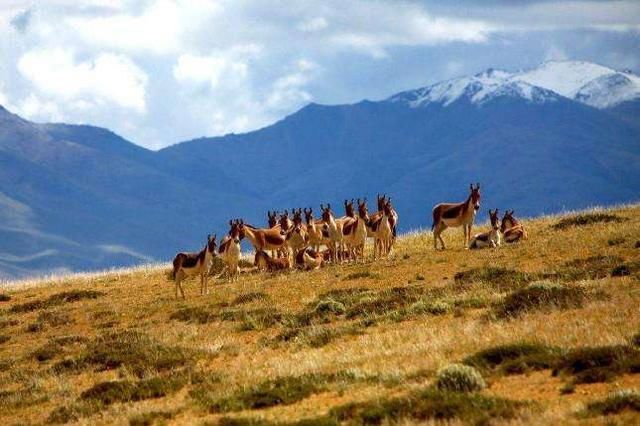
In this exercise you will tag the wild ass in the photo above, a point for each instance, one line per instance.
(512, 230)
(188, 264)
(354, 231)
(265, 262)
(336, 244)
(490, 238)
(262, 239)
(308, 259)
(317, 230)
(379, 227)
(297, 237)
(450, 215)
(229, 250)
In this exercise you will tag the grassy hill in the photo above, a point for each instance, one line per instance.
(552, 325)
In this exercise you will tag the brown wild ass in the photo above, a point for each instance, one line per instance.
(490, 238)
(379, 227)
(229, 250)
(512, 230)
(189, 264)
(451, 215)
(263, 239)
(265, 262)
(297, 237)
(309, 259)
(354, 231)
(336, 244)
(316, 230)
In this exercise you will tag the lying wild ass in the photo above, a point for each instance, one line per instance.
(451, 215)
(512, 230)
(490, 238)
(265, 262)
(308, 259)
(189, 264)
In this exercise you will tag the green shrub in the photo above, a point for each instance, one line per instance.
(599, 364)
(361, 275)
(459, 378)
(194, 314)
(249, 297)
(438, 307)
(615, 403)
(540, 295)
(4, 339)
(4, 297)
(515, 358)
(108, 393)
(429, 404)
(55, 300)
(620, 271)
(150, 418)
(587, 219)
(635, 340)
(501, 279)
(280, 391)
(135, 351)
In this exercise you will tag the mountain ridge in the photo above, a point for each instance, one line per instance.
(82, 197)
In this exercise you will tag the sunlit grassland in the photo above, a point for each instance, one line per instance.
(348, 343)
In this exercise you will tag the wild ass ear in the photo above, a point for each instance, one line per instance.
(471, 186)
(328, 206)
(321, 206)
(477, 186)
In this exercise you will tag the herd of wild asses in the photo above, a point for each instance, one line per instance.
(290, 241)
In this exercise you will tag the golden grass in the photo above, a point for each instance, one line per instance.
(391, 347)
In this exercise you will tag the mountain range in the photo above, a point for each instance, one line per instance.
(564, 135)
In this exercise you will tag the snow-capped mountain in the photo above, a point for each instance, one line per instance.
(585, 82)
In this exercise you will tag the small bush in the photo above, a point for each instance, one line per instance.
(72, 413)
(150, 418)
(135, 351)
(280, 391)
(194, 315)
(540, 295)
(620, 271)
(434, 308)
(586, 219)
(590, 268)
(54, 319)
(8, 323)
(599, 364)
(635, 340)
(258, 319)
(47, 352)
(515, 358)
(501, 279)
(4, 297)
(108, 393)
(329, 306)
(430, 404)
(615, 403)
(55, 300)
(249, 297)
(616, 241)
(637, 244)
(459, 378)
(362, 274)
(4, 339)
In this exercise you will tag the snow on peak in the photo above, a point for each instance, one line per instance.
(585, 82)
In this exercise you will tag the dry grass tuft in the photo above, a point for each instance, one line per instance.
(615, 403)
(55, 300)
(541, 295)
(587, 219)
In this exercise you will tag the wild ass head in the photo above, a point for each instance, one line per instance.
(495, 220)
(327, 214)
(211, 243)
(474, 196)
(272, 218)
(348, 208)
(363, 212)
(508, 221)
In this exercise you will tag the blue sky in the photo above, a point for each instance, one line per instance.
(162, 71)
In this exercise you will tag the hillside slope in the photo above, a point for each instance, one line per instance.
(562, 136)
(344, 344)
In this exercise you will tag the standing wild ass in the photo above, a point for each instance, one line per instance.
(451, 215)
(188, 264)
(229, 250)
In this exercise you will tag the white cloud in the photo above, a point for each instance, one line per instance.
(35, 108)
(313, 24)
(108, 78)
(162, 28)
